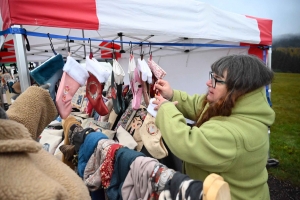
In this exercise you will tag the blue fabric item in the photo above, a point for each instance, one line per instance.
(87, 149)
(47, 69)
(123, 159)
(98, 194)
(53, 80)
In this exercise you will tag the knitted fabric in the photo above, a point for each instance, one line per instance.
(34, 109)
(87, 149)
(123, 159)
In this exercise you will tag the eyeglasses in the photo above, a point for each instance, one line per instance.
(214, 81)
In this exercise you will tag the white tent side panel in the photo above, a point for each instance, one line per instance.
(189, 72)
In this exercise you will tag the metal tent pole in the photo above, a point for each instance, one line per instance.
(272, 162)
(21, 59)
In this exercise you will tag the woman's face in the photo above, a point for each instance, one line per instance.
(220, 89)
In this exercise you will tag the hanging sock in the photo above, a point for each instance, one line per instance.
(146, 73)
(50, 72)
(116, 95)
(158, 72)
(137, 90)
(47, 69)
(94, 91)
(73, 77)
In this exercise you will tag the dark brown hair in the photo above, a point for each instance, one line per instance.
(245, 73)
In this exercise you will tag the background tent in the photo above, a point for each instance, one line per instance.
(186, 36)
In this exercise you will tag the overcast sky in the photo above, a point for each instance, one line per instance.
(284, 13)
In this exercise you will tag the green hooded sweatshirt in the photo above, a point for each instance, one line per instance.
(235, 147)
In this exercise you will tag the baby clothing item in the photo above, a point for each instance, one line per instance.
(73, 77)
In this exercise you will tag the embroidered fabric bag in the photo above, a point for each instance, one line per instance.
(152, 139)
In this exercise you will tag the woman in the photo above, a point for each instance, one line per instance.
(230, 134)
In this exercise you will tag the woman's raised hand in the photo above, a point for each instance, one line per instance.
(163, 88)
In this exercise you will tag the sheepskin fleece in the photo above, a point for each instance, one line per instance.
(29, 172)
(34, 108)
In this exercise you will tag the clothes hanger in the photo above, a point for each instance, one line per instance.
(68, 45)
(51, 45)
(91, 53)
(27, 41)
(130, 51)
(142, 52)
(150, 52)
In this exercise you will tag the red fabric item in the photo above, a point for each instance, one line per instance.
(51, 13)
(89, 109)
(94, 94)
(108, 54)
(107, 166)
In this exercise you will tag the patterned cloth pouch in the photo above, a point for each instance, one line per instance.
(152, 139)
(158, 72)
(125, 116)
(102, 125)
(92, 177)
(160, 176)
(107, 167)
(124, 138)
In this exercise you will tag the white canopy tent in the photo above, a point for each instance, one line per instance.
(186, 36)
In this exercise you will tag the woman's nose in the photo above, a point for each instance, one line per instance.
(208, 83)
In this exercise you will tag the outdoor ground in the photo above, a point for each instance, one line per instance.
(282, 190)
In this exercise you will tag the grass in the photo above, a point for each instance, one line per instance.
(285, 132)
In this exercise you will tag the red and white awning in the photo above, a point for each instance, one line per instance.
(167, 21)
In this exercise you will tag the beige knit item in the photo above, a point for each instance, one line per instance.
(34, 108)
